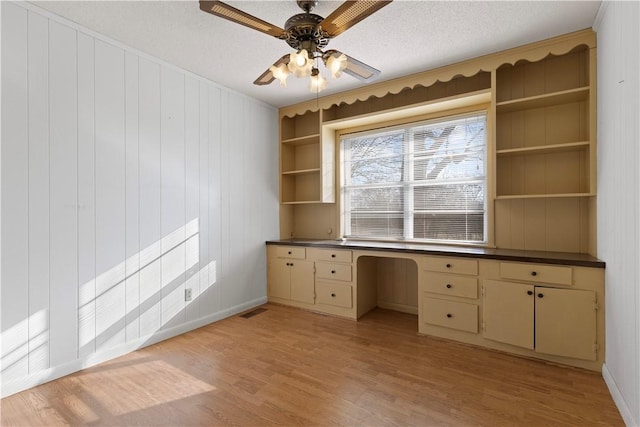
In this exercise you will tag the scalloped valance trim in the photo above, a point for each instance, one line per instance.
(532, 52)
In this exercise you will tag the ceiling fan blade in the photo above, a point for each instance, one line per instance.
(349, 14)
(355, 68)
(267, 77)
(230, 13)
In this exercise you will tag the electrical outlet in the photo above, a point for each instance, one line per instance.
(187, 294)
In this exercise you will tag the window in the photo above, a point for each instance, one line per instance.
(423, 181)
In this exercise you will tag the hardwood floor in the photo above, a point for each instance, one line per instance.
(290, 367)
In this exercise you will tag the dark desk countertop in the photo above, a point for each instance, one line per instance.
(540, 257)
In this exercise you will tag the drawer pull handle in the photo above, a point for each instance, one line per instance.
(540, 295)
(529, 292)
(333, 272)
(449, 315)
(448, 285)
(448, 265)
(333, 255)
(289, 252)
(533, 273)
(333, 295)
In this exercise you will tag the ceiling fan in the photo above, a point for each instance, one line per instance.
(308, 34)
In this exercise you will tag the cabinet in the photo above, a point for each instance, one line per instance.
(315, 279)
(449, 291)
(290, 276)
(560, 322)
(334, 281)
(306, 161)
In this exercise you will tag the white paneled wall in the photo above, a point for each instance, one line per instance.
(619, 197)
(125, 181)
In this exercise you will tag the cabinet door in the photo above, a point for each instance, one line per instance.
(279, 278)
(566, 322)
(302, 287)
(508, 313)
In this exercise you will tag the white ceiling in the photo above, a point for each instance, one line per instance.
(401, 38)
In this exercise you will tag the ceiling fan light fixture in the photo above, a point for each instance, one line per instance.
(317, 83)
(300, 64)
(280, 72)
(336, 63)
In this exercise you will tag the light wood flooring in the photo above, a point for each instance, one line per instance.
(290, 367)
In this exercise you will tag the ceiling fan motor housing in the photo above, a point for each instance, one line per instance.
(303, 32)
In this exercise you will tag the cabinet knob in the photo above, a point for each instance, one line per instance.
(289, 252)
(449, 315)
(540, 295)
(333, 272)
(448, 285)
(333, 255)
(448, 265)
(333, 295)
(533, 273)
(529, 292)
(291, 264)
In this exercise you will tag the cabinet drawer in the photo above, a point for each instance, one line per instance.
(331, 255)
(445, 284)
(451, 265)
(333, 271)
(537, 273)
(450, 314)
(290, 252)
(334, 294)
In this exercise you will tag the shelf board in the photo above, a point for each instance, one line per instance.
(301, 202)
(301, 172)
(544, 149)
(302, 140)
(546, 100)
(542, 196)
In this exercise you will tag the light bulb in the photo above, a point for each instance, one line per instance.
(280, 72)
(336, 64)
(317, 82)
(299, 63)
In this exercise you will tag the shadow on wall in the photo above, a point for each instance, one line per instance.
(152, 286)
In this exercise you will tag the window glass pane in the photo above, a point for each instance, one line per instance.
(452, 197)
(383, 226)
(450, 226)
(386, 199)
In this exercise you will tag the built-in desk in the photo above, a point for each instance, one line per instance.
(546, 305)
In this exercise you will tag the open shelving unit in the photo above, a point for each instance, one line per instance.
(545, 153)
(304, 162)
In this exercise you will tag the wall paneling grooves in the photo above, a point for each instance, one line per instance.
(125, 181)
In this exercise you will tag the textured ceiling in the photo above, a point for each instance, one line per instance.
(402, 38)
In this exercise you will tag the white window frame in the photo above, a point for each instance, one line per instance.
(408, 183)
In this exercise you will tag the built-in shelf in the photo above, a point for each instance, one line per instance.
(302, 140)
(546, 100)
(302, 202)
(302, 172)
(544, 149)
(542, 196)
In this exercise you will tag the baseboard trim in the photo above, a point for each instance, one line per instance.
(398, 307)
(46, 375)
(618, 399)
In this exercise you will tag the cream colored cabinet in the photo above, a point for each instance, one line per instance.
(290, 276)
(554, 321)
(334, 281)
(314, 279)
(449, 291)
